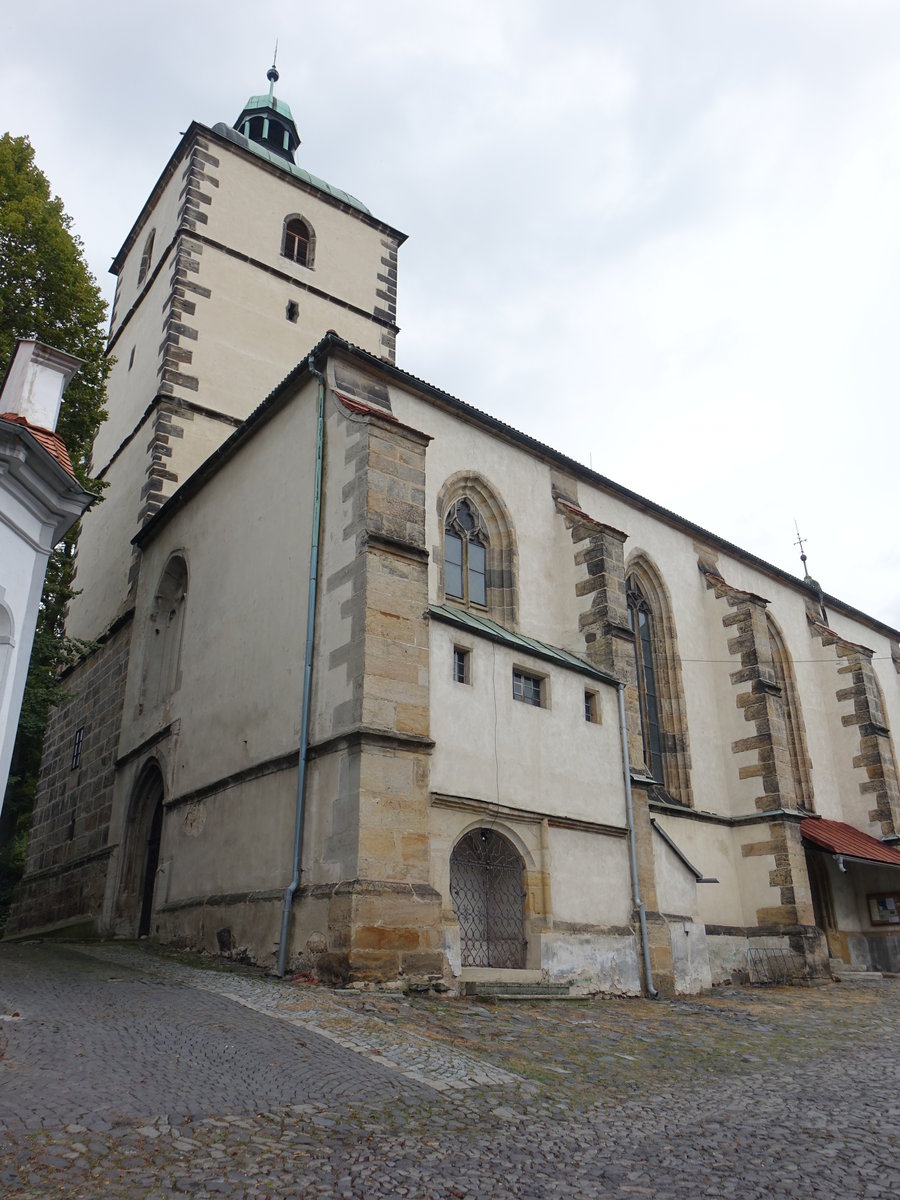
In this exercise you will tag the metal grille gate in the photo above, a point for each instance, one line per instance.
(486, 889)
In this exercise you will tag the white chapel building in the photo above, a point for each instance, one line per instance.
(387, 690)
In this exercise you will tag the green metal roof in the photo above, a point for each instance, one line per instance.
(465, 619)
(267, 101)
(291, 168)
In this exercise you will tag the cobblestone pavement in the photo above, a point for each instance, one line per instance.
(128, 1073)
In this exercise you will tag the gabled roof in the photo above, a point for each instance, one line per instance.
(843, 839)
(47, 438)
(475, 623)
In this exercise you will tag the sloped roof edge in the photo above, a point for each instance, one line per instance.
(840, 838)
(331, 342)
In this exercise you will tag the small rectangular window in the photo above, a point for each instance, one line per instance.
(591, 707)
(529, 689)
(461, 665)
(76, 748)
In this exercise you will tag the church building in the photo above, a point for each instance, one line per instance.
(385, 690)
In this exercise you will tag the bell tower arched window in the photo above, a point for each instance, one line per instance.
(299, 242)
(465, 555)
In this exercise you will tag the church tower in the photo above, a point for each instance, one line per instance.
(238, 263)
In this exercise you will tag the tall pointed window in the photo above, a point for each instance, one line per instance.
(477, 555)
(795, 731)
(465, 555)
(146, 257)
(660, 692)
(640, 619)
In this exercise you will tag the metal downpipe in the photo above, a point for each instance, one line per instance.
(291, 888)
(629, 820)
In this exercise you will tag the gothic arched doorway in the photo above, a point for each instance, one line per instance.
(142, 844)
(486, 888)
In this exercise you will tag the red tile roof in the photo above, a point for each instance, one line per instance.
(841, 838)
(52, 442)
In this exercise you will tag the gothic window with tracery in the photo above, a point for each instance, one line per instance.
(465, 555)
(640, 618)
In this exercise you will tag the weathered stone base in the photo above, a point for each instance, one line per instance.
(69, 896)
(595, 961)
(244, 926)
(729, 949)
(380, 931)
(877, 951)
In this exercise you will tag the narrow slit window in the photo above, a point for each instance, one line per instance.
(591, 707)
(461, 665)
(76, 747)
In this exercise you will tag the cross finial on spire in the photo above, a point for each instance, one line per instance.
(807, 578)
(800, 542)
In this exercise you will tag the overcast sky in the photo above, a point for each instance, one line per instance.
(661, 237)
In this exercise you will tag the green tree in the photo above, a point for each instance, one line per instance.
(46, 292)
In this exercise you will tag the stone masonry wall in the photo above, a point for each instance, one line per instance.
(65, 871)
(384, 921)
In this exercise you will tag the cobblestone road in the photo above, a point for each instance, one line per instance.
(126, 1073)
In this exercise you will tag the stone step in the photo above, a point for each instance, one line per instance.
(509, 990)
(850, 973)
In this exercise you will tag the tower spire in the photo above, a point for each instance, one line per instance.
(268, 122)
(812, 584)
(272, 74)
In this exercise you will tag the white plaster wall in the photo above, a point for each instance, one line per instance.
(245, 344)
(234, 841)
(590, 878)
(22, 567)
(711, 849)
(104, 550)
(247, 550)
(676, 887)
(549, 610)
(348, 248)
(491, 747)
(163, 217)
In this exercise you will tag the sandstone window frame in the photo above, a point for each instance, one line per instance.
(298, 241)
(146, 256)
(496, 533)
(646, 589)
(531, 688)
(795, 728)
